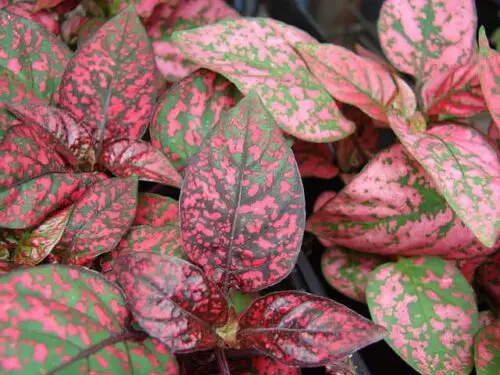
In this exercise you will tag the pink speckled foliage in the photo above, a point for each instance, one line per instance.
(109, 84)
(156, 210)
(353, 79)
(489, 73)
(430, 312)
(465, 169)
(59, 319)
(45, 18)
(159, 291)
(302, 329)
(426, 37)
(487, 350)
(260, 54)
(242, 202)
(393, 207)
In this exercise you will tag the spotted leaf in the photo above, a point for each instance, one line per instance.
(109, 84)
(128, 157)
(187, 112)
(34, 182)
(160, 292)
(189, 14)
(489, 73)
(425, 37)
(488, 280)
(73, 141)
(36, 57)
(36, 245)
(156, 210)
(487, 350)
(392, 207)
(454, 92)
(468, 267)
(353, 79)
(242, 202)
(314, 160)
(301, 329)
(100, 219)
(465, 168)
(59, 319)
(347, 271)
(259, 54)
(430, 312)
(165, 240)
(26, 9)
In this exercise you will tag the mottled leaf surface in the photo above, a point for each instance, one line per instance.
(347, 271)
(190, 14)
(352, 79)
(128, 157)
(71, 320)
(489, 73)
(487, 350)
(465, 168)
(109, 84)
(187, 112)
(72, 139)
(160, 293)
(301, 329)
(242, 203)
(100, 218)
(259, 54)
(35, 56)
(392, 207)
(314, 160)
(430, 312)
(34, 246)
(156, 210)
(454, 92)
(424, 37)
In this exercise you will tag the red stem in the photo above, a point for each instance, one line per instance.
(222, 361)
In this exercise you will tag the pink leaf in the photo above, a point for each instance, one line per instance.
(454, 92)
(156, 210)
(301, 329)
(259, 54)
(314, 160)
(392, 207)
(425, 37)
(128, 157)
(47, 19)
(487, 350)
(465, 168)
(489, 73)
(374, 58)
(323, 199)
(352, 79)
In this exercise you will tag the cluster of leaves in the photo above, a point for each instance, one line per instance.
(100, 276)
(414, 234)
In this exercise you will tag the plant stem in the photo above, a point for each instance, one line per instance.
(222, 361)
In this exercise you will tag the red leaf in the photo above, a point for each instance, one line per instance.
(261, 365)
(454, 92)
(128, 157)
(242, 202)
(488, 280)
(47, 19)
(298, 102)
(37, 58)
(468, 267)
(34, 182)
(392, 207)
(109, 84)
(323, 199)
(314, 160)
(486, 318)
(69, 320)
(489, 73)
(301, 329)
(100, 219)
(187, 112)
(353, 79)
(35, 246)
(347, 271)
(465, 168)
(172, 300)
(425, 37)
(172, 63)
(73, 140)
(156, 210)
(45, 4)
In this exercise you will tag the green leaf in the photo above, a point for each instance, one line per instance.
(430, 312)
(487, 350)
